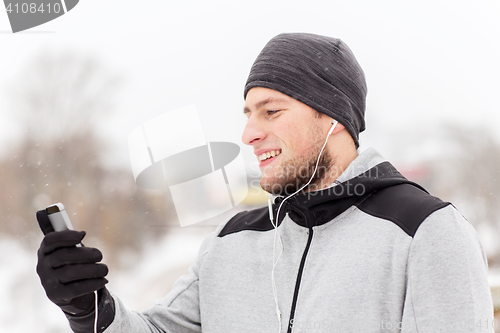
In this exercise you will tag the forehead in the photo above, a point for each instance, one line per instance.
(259, 97)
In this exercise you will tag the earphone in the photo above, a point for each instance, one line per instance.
(276, 233)
(334, 124)
(96, 310)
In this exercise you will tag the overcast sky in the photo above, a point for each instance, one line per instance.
(426, 62)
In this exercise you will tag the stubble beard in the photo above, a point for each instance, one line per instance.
(294, 174)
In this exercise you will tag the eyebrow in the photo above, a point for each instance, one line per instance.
(264, 102)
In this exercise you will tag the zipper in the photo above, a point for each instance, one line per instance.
(297, 281)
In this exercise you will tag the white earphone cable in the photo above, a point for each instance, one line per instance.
(96, 309)
(276, 233)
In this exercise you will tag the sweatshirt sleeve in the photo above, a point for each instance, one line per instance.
(177, 312)
(447, 284)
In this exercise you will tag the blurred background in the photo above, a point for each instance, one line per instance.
(73, 89)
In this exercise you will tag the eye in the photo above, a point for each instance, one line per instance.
(272, 112)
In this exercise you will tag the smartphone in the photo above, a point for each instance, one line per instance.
(54, 218)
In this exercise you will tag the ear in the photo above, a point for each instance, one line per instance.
(338, 127)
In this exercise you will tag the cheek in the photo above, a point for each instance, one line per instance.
(299, 140)
(302, 143)
(291, 136)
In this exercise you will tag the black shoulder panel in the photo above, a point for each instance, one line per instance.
(405, 205)
(257, 220)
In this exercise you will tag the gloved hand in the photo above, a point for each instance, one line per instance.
(70, 274)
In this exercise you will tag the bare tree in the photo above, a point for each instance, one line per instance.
(468, 174)
(59, 98)
(59, 94)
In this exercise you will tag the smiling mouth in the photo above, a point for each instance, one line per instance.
(268, 155)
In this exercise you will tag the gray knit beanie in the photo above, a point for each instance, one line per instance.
(318, 71)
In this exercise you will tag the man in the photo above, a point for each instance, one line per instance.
(346, 245)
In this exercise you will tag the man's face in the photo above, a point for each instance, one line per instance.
(287, 136)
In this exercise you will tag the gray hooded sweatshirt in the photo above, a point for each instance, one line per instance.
(374, 253)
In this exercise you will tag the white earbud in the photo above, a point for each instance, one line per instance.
(334, 124)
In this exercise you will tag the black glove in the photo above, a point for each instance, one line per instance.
(70, 274)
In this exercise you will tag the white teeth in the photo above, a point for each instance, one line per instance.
(269, 154)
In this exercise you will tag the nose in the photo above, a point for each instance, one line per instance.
(254, 131)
